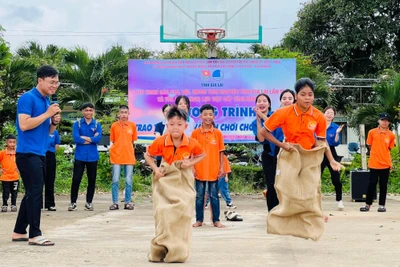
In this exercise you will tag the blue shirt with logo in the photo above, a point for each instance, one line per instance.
(35, 141)
(86, 152)
(331, 133)
(54, 139)
(277, 133)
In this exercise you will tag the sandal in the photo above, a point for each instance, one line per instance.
(129, 206)
(41, 241)
(4, 209)
(114, 207)
(381, 209)
(233, 216)
(364, 208)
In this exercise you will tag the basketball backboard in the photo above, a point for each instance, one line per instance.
(241, 20)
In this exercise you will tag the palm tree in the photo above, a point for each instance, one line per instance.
(36, 54)
(386, 98)
(92, 77)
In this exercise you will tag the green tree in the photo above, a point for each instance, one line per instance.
(37, 55)
(90, 78)
(385, 98)
(356, 37)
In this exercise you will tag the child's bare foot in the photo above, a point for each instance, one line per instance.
(198, 224)
(326, 218)
(219, 225)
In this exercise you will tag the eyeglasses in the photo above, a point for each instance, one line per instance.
(53, 83)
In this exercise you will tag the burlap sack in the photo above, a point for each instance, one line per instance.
(173, 201)
(298, 186)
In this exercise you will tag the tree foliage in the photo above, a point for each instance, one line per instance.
(356, 37)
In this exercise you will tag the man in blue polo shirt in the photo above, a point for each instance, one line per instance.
(36, 118)
(87, 134)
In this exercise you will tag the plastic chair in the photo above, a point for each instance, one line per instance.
(353, 148)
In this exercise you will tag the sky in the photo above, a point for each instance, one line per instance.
(96, 25)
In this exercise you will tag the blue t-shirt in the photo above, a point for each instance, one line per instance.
(331, 133)
(86, 152)
(35, 141)
(277, 133)
(54, 139)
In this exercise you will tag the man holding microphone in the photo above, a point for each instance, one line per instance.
(36, 118)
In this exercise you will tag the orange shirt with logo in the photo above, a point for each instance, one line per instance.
(212, 142)
(298, 127)
(381, 142)
(122, 135)
(9, 167)
(163, 146)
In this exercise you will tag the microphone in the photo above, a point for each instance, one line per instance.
(54, 99)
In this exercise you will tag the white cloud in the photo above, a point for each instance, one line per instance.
(102, 20)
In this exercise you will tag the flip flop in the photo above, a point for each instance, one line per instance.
(41, 241)
(20, 239)
(233, 216)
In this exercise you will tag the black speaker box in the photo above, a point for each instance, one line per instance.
(359, 180)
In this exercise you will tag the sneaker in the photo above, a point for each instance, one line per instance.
(51, 208)
(206, 207)
(89, 206)
(381, 209)
(340, 205)
(14, 208)
(230, 206)
(72, 207)
(364, 208)
(4, 209)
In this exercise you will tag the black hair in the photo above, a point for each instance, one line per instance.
(301, 83)
(176, 112)
(186, 100)
(206, 107)
(284, 92)
(330, 107)
(124, 107)
(46, 71)
(87, 105)
(269, 99)
(165, 106)
(11, 137)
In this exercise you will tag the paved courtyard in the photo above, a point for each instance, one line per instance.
(122, 238)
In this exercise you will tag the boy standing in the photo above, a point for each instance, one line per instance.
(173, 192)
(9, 174)
(123, 134)
(380, 141)
(87, 134)
(210, 169)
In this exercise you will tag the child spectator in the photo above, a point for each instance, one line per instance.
(211, 168)
(160, 129)
(9, 174)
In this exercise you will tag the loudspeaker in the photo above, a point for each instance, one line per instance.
(359, 180)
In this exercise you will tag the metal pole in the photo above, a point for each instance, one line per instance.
(363, 147)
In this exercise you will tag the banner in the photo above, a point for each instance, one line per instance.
(230, 85)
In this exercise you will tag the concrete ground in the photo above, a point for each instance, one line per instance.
(122, 238)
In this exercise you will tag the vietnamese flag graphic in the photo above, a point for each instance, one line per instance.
(206, 74)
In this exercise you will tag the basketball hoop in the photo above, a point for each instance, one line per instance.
(211, 37)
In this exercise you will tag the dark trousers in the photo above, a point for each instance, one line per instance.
(49, 180)
(32, 169)
(10, 188)
(335, 175)
(91, 171)
(383, 175)
(269, 167)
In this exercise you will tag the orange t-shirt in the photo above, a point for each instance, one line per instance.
(381, 143)
(122, 135)
(297, 126)
(212, 142)
(163, 146)
(227, 167)
(9, 167)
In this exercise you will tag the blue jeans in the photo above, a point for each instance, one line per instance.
(116, 173)
(224, 190)
(213, 193)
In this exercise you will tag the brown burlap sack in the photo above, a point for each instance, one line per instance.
(298, 186)
(173, 201)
